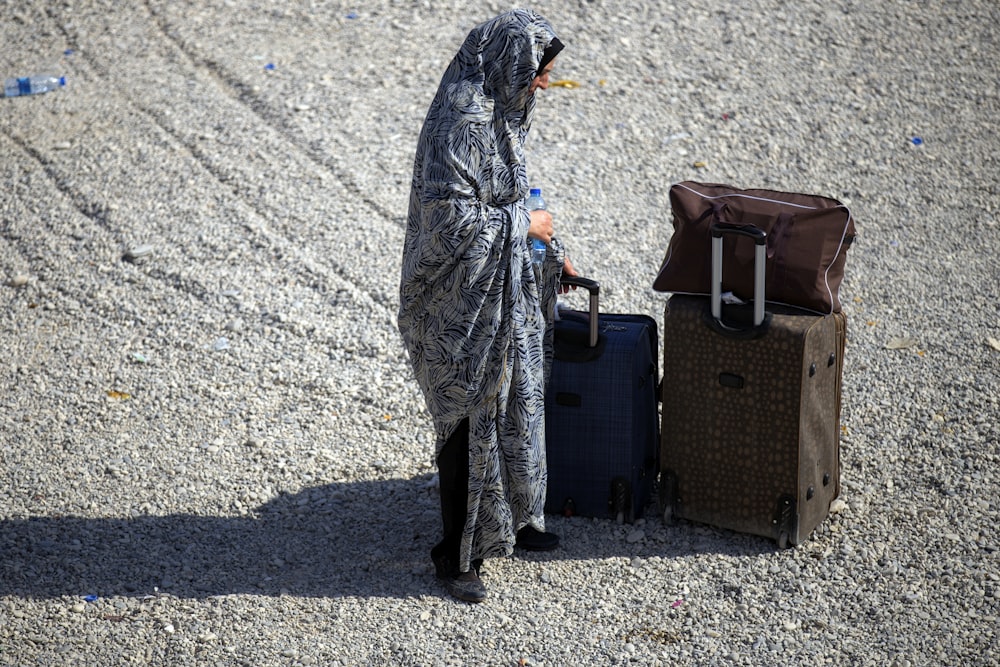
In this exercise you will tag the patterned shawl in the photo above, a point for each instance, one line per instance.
(470, 313)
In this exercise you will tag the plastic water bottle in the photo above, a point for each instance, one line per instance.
(31, 85)
(534, 202)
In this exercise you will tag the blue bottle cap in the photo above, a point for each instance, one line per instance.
(535, 192)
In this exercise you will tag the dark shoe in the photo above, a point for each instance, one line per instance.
(462, 585)
(530, 539)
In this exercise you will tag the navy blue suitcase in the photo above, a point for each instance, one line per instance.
(601, 418)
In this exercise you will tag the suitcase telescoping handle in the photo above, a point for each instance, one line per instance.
(594, 288)
(759, 236)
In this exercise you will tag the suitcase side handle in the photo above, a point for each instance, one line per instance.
(594, 288)
(760, 319)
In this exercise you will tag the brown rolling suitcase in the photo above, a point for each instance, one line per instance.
(751, 411)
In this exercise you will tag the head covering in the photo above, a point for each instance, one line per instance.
(500, 58)
(551, 51)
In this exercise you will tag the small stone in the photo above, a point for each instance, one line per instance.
(19, 280)
(78, 608)
(138, 252)
(837, 506)
(636, 536)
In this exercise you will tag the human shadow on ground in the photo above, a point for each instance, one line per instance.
(367, 539)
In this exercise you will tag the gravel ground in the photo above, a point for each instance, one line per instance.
(213, 452)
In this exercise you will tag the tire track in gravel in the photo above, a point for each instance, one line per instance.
(123, 310)
(238, 92)
(89, 210)
(273, 120)
(98, 214)
(126, 313)
(304, 268)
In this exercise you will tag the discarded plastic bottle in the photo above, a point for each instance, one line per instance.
(534, 202)
(32, 85)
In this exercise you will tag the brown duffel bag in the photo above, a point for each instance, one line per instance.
(807, 241)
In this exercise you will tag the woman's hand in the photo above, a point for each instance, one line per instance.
(541, 226)
(568, 270)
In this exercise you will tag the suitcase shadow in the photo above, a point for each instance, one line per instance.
(595, 538)
(359, 539)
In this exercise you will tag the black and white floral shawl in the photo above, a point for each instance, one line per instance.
(470, 312)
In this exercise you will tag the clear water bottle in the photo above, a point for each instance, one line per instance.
(534, 202)
(31, 85)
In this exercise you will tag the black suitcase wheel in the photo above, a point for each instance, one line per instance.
(569, 508)
(783, 541)
(785, 520)
(668, 515)
(668, 497)
(621, 500)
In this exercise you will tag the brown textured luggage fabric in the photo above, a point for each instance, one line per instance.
(808, 238)
(751, 428)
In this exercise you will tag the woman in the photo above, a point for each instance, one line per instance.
(471, 303)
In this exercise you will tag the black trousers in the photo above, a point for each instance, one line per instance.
(453, 474)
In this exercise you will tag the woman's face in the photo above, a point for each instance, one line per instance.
(541, 82)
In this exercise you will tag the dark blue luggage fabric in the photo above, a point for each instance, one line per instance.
(601, 417)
